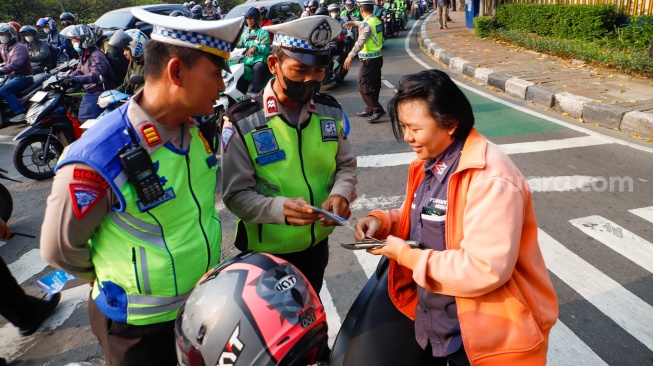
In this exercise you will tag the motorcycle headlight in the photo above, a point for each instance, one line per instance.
(35, 111)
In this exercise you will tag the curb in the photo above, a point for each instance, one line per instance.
(627, 120)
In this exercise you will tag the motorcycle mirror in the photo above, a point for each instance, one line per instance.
(137, 79)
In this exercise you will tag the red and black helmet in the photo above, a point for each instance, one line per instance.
(255, 309)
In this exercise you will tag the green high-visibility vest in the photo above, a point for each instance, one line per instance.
(148, 259)
(292, 162)
(373, 43)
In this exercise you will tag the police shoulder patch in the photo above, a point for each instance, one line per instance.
(329, 130)
(84, 197)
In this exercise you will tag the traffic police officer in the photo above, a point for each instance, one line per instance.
(286, 149)
(368, 48)
(132, 205)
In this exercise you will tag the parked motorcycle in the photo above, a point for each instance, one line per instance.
(6, 203)
(51, 125)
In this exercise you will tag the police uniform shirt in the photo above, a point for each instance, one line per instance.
(238, 179)
(364, 31)
(66, 229)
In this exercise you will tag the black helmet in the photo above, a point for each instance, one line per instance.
(67, 17)
(255, 309)
(196, 10)
(313, 4)
(264, 11)
(322, 11)
(28, 29)
(254, 13)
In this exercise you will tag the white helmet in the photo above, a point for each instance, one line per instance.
(137, 45)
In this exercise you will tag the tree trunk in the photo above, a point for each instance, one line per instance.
(63, 5)
(650, 49)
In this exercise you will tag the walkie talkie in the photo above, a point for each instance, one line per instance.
(137, 163)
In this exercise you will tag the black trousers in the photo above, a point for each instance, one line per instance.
(260, 77)
(458, 358)
(15, 305)
(311, 262)
(125, 344)
(369, 83)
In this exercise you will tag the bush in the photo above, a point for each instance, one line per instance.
(636, 33)
(559, 21)
(483, 26)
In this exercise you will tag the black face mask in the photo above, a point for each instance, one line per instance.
(300, 91)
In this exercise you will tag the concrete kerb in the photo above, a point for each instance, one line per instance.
(576, 106)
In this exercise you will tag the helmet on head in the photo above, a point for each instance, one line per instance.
(196, 10)
(350, 4)
(256, 309)
(137, 43)
(68, 18)
(120, 39)
(10, 29)
(176, 13)
(192, 3)
(323, 2)
(97, 32)
(28, 29)
(264, 11)
(313, 4)
(306, 4)
(82, 32)
(334, 7)
(322, 11)
(47, 22)
(187, 5)
(15, 25)
(254, 13)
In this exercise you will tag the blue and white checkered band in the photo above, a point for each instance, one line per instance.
(193, 38)
(288, 41)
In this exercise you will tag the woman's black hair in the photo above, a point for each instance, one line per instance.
(446, 102)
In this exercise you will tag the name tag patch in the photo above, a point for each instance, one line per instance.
(329, 130)
(168, 195)
(271, 157)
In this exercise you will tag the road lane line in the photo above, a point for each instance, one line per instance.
(368, 261)
(387, 83)
(622, 241)
(566, 349)
(627, 310)
(570, 126)
(333, 319)
(645, 212)
(548, 145)
(27, 266)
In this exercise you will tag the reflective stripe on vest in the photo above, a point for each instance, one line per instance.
(374, 42)
(292, 163)
(147, 263)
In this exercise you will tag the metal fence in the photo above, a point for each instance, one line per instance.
(626, 7)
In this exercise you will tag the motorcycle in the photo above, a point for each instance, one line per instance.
(51, 125)
(390, 26)
(112, 99)
(6, 203)
(402, 17)
(335, 73)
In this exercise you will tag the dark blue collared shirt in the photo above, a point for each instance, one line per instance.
(436, 317)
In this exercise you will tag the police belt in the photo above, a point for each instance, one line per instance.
(369, 55)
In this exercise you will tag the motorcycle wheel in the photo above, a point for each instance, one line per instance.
(29, 159)
(6, 203)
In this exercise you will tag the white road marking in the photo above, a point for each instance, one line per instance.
(27, 265)
(566, 349)
(519, 108)
(561, 183)
(387, 83)
(11, 342)
(333, 319)
(548, 145)
(627, 310)
(376, 161)
(376, 203)
(368, 261)
(645, 212)
(622, 241)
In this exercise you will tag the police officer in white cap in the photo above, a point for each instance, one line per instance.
(368, 48)
(132, 207)
(286, 149)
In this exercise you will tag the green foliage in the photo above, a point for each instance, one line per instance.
(559, 21)
(483, 26)
(636, 33)
(86, 11)
(631, 61)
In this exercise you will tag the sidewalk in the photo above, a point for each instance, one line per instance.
(590, 94)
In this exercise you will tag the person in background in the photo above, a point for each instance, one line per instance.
(64, 48)
(477, 286)
(39, 51)
(265, 19)
(209, 12)
(368, 48)
(310, 10)
(25, 312)
(443, 12)
(351, 12)
(132, 44)
(93, 63)
(196, 12)
(323, 3)
(17, 70)
(145, 247)
(257, 42)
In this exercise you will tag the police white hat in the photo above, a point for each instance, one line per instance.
(365, 2)
(306, 39)
(216, 38)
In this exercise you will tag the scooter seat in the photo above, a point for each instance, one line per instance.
(38, 80)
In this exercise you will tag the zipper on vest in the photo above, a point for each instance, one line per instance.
(310, 190)
(138, 284)
(199, 209)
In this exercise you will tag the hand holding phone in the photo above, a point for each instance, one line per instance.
(369, 244)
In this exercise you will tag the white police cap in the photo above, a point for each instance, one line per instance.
(307, 39)
(217, 38)
(365, 2)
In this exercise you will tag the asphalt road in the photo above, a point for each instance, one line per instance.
(592, 192)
